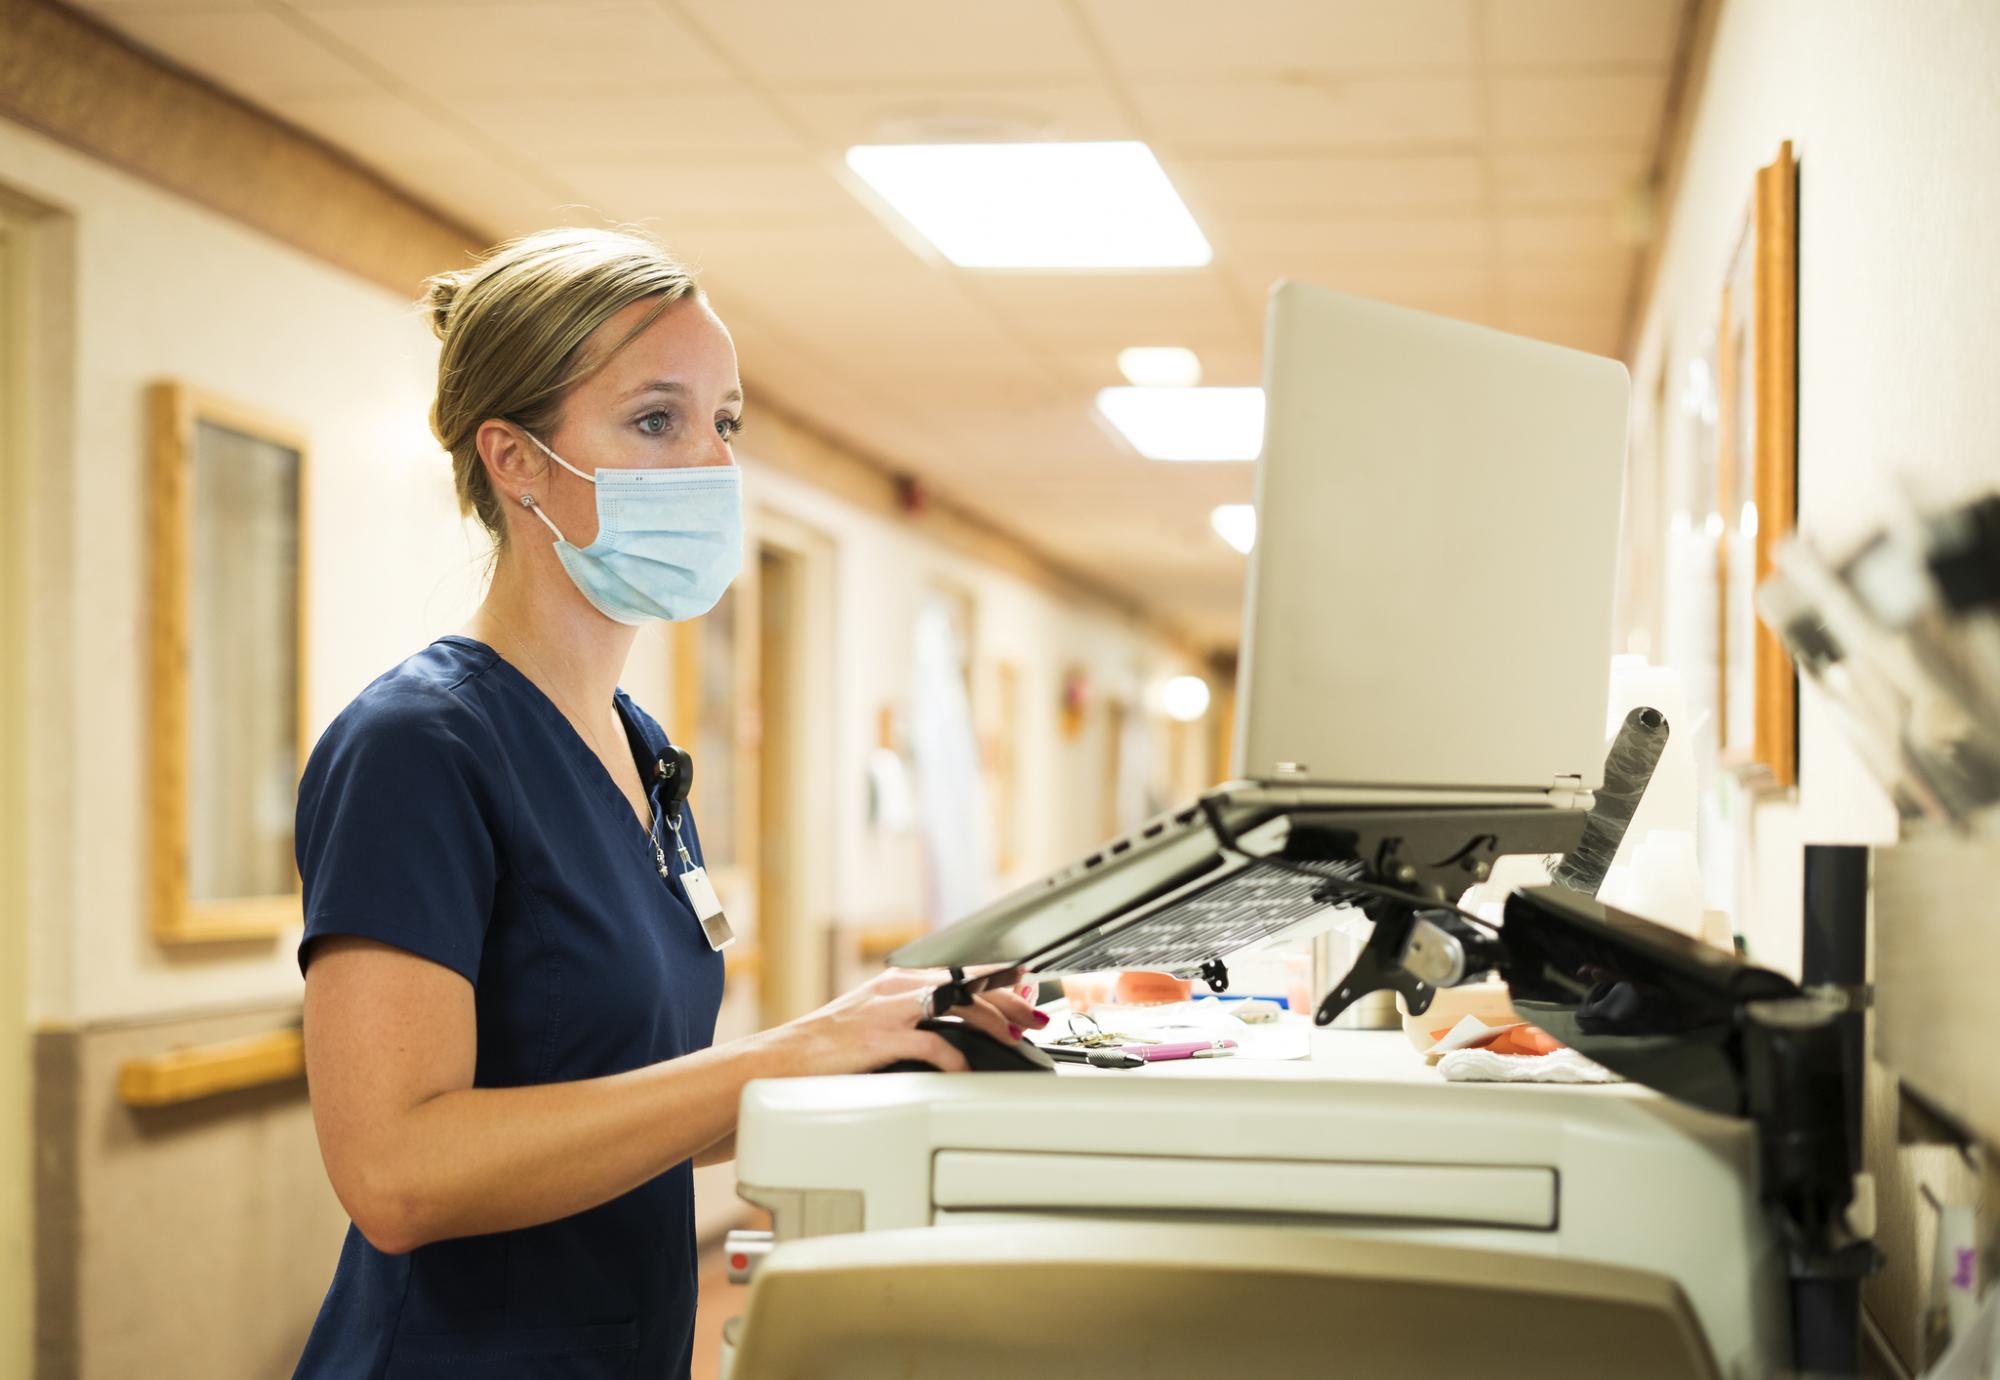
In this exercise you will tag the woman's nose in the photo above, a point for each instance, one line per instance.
(718, 453)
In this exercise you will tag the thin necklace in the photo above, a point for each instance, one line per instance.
(548, 689)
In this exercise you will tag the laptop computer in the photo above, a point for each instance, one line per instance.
(1427, 637)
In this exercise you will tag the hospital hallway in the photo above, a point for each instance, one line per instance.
(1387, 607)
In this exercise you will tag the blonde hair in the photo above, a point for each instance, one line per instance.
(513, 327)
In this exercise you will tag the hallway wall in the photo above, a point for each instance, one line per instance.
(1894, 114)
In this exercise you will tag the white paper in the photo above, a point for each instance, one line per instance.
(1470, 1030)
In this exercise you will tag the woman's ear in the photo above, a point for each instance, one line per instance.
(513, 465)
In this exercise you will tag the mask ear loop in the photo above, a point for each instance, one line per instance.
(528, 502)
(586, 478)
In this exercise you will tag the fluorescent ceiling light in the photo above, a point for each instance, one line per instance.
(1236, 523)
(1041, 205)
(1160, 366)
(1187, 423)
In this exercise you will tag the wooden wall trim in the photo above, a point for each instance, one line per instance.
(77, 81)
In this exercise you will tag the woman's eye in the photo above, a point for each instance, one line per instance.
(727, 427)
(655, 423)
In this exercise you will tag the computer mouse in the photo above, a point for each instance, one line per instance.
(982, 1051)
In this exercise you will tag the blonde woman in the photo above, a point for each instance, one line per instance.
(509, 955)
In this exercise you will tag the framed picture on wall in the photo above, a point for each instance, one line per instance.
(1756, 479)
(228, 637)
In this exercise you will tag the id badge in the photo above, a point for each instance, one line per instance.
(707, 908)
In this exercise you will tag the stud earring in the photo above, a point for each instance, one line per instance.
(527, 500)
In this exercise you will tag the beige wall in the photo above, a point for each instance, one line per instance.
(1893, 112)
(1895, 116)
(166, 289)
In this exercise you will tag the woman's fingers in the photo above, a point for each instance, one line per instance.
(1016, 1011)
(983, 1016)
(937, 1051)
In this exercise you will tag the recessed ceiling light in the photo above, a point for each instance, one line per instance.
(1037, 205)
(1160, 366)
(1236, 523)
(1187, 423)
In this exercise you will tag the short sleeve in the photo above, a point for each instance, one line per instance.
(397, 835)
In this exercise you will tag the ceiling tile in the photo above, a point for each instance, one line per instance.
(1623, 109)
(1449, 284)
(600, 129)
(857, 42)
(114, 11)
(1189, 307)
(1320, 187)
(1092, 367)
(841, 119)
(1035, 448)
(1191, 37)
(506, 47)
(489, 195)
(1332, 240)
(1561, 234)
(854, 312)
(717, 195)
(855, 246)
(1580, 31)
(1533, 179)
(254, 54)
(1594, 290)
(1271, 116)
(381, 129)
(314, 5)
(1598, 332)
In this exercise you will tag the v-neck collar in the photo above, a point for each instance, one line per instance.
(586, 756)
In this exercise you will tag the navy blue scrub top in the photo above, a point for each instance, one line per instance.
(452, 811)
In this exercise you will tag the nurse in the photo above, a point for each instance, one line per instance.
(510, 989)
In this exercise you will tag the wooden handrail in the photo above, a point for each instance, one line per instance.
(185, 1075)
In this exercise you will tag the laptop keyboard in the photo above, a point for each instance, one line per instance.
(1244, 908)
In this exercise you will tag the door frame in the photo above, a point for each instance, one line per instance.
(797, 820)
(37, 250)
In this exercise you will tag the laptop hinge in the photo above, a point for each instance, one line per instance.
(1568, 793)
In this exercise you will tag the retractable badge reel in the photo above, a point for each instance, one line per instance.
(677, 768)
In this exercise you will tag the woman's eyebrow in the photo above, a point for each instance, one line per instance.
(677, 389)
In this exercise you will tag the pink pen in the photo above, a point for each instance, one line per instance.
(1153, 1054)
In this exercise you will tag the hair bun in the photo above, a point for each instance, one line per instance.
(440, 292)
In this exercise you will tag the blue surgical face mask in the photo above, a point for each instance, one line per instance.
(669, 541)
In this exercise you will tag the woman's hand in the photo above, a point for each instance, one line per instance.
(876, 1023)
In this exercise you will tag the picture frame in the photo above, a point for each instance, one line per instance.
(227, 664)
(1756, 481)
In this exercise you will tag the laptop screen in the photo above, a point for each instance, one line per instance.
(1429, 601)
